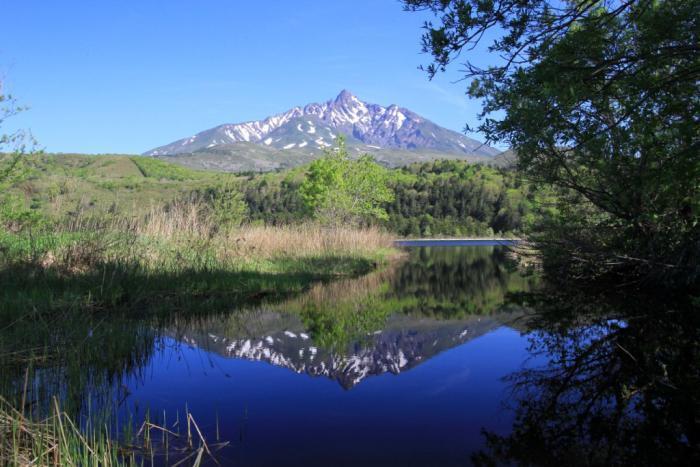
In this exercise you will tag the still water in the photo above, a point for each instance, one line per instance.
(400, 367)
(451, 356)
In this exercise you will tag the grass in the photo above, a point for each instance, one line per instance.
(58, 440)
(61, 184)
(105, 229)
(175, 253)
(54, 440)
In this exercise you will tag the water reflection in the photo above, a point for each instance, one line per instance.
(562, 377)
(618, 384)
(400, 345)
(388, 321)
(75, 356)
(348, 330)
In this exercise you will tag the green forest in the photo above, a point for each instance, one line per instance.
(440, 198)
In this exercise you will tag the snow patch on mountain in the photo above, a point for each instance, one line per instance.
(371, 124)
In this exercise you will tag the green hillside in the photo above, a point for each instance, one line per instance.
(444, 197)
(58, 184)
(251, 157)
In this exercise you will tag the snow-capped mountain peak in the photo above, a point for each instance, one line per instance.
(315, 125)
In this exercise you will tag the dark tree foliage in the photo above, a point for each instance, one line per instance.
(616, 384)
(456, 198)
(274, 202)
(433, 198)
(601, 99)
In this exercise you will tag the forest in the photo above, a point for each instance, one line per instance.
(440, 198)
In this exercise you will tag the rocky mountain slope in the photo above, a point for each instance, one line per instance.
(393, 134)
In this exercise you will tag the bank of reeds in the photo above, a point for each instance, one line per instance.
(52, 441)
(183, 220)
(58, 440)
(85, 239)
(310, 240)
(179, 249)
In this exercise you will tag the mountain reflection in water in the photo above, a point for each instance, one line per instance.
(388, 321)
(403, 343)
(448, 357)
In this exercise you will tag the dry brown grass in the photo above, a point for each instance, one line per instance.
(307, 240)
(184, 234)
(178, 219)
(192, 220)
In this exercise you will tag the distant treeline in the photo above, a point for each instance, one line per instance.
(434, 198)
(438, 198)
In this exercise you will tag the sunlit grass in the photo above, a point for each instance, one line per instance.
(172, 252)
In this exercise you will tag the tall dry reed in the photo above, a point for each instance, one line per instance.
(308, 240)
(188, 230)
(177, 219)
(58, 440)
(194, 220)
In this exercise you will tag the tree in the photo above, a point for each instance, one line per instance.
(223, 203)
(599, 98)
(339, 190)
(228, 207)
(13, 145)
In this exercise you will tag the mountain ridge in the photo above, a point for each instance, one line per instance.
(315, 126)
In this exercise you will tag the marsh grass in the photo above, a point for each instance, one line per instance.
(91, 239)
(60, 396)
(311, 239)
(54, 440)
(177, 250)
(59, 440)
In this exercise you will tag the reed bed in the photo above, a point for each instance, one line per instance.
(180, 253)
(52, 441)
(182, 235)
(178, 219)
(193, 220)
(57, 440)
(309, 240)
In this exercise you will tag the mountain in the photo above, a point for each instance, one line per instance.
(507, 158)
(302, 133)
(245, 157)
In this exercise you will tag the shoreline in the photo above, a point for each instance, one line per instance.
(469, 239)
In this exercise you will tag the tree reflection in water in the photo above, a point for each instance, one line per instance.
(617, 382)
(620, 385)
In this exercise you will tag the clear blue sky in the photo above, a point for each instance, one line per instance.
(126, 76)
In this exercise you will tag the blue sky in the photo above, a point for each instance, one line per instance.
(126, 76)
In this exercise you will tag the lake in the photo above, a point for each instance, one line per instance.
(448, 357)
